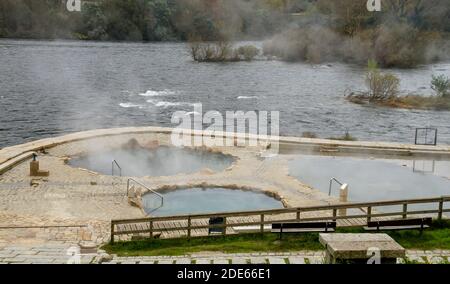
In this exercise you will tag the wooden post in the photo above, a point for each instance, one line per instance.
(151, 229)
(441, 208)
(405, 210)
(262, 224)
(189, 227)
(112, 232)
(334, 214)
(224, 226)
(369, 212)
(298, 215)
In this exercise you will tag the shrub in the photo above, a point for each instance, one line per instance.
(382, 87)
(248, 52)
(400, 45)
(221, 51)
(441, 85)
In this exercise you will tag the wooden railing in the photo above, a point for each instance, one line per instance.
(147, 225)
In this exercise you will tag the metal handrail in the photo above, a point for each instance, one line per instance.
(146, 187)
(331, 184)
(114, 163)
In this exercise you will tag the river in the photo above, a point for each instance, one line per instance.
(49, 88)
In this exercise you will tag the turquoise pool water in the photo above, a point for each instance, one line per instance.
(208, 200)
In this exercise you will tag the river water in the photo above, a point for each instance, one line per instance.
(49, 88)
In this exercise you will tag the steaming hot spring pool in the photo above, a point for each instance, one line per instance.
(374, 179)
(161, 161)
(207, 200)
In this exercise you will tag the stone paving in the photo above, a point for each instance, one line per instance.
(74, 196)
(49, 253)
(69, 253)
(304, 257)
(43, 219)
(78, 197)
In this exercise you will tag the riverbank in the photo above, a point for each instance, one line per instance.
(405, 102)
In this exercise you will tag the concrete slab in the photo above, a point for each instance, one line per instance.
(258, 260)
(277, 260)
(296, 260)
(239, 260)
(221, 261)
(183, 261)
(357, 246)
(203, 261)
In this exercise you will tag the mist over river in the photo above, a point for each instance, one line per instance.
(49, 88)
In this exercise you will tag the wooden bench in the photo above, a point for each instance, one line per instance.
(401, 224)
(303, 227)
(216, 230)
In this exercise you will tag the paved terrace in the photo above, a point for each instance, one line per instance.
(75, 204)
(63, 253)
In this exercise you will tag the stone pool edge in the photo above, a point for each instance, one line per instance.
(12, 155)
(136, 200)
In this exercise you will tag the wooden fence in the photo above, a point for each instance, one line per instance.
(347, 215)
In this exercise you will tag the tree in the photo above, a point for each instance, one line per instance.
(441, 85)
(382, 87)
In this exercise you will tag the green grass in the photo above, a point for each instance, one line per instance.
(437, 237)
(229, 244)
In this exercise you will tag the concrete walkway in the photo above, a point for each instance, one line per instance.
(67, 253)
(304, 257)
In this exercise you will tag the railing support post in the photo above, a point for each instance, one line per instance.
(262, 224)
(369, 213)
(151, 229)
(298, 215)
(224, 226)
(189, 227)
(441, 208)
(405, 211)
(334, 214)
(112, 232)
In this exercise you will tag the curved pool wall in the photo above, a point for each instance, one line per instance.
(373, 179)
(11, 156)
(160, 161)
(207, 200)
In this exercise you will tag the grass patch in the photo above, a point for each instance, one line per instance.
(437, 237)
(245, 243)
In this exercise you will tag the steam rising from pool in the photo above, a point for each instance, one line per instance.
(138, 161)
